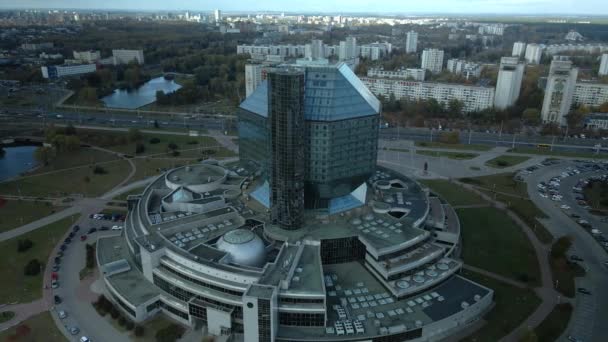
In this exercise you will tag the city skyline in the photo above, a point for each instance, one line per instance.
(519, 7)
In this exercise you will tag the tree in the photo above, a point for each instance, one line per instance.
(32, 268)
(550, 129)
(24, 245)
(455, 108)
(603, 108)
(531, 116)
(172, 146)
(70, 129)
(156, 124)
(575, 118)
(154, 140)
(450, 137)
(139, 331)
(139, 148)
(72, 143)
(134, 135)
(44, 154)
(99, 170)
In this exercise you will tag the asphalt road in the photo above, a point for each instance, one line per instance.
(590, 312)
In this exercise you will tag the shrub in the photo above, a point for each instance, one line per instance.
(192, 142)
(129, 325)
(139, 331)
(175, 153)
(24, 245)
(32, 268)
(172, 146)
(99, 170)
(169, 334)
(154, 141)
(122, 321)
(114, 312)
(139, 148)
(502, 163)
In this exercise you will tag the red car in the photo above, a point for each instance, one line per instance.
(82, 238)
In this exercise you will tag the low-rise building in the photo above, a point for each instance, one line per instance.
(87, 56)
(596, 121)
(590, 94)
(127, 56)
(57, 71)
(406, 74)
(432, 60)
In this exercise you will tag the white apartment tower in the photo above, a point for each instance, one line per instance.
(217, 15)
(315, 50)
(411, 43)
(432, 60)
(508, 85)
(559, 91)
(604, 65)
(533, 53)
(348, 49)
(519, 48)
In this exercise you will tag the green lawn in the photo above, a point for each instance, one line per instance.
(553, 326)
(435, 144)
(452, 193)
(17, 213)
(79, 180)
(492, 241)
(6, 316)
(147, 167)
(532, 150)
(515, 195)
(451, 155)
(82, 157)
(506, 161)
(38, 328)
(501, 182)
(513, 306)
(17, 287)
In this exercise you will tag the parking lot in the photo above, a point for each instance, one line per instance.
(72, 303)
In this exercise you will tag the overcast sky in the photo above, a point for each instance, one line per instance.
(596, 7)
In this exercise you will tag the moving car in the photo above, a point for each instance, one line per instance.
(583, 290)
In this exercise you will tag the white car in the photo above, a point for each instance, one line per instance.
(84, 339)
(116, 227)
(565, 206)
(543, 195)
(62, 314)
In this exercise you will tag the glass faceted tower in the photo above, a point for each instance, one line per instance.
(340, 131)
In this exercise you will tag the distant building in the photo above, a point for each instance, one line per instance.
(432, 60)
(519, 48)
(58, 71)
(596, 121)
(590, 94)
(375, 51)
(462, 67)
(315, 50)
(474, 98)
(494, 29)
(555, 49)
(533, 53)
(405, 74)
(574, 36)
(348, 49)
(411, 43)
(127, 56)
(559, 91)
(36, 46)
(604, 65)
(286, 50)
(254, 75)
(217, 15)
(87, 56)
(508, 85)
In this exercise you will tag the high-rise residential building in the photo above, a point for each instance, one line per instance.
(519, 48)
(87, 56)
(474, 98)
(559, 91)
(375, 51)
(462, 67)
(590, 94)
(286, 138)
(603, 65)
(254, 75)
(315, 50)
(533, 53)
(127, 56)
(348, 49)
(432, 60)
(508, 85)
(411, 42)
(217, 16)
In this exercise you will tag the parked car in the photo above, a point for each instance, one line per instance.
(83, 238)
(57, 300)
(84, 339)
(74, 330)
(575, 258)
(116, 227)
(92, 230)
(76, 228)
(54, 284)
(62, 314)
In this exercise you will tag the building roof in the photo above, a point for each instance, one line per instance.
(332, 93)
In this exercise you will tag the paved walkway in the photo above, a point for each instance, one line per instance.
(495, 276)
(546, 292)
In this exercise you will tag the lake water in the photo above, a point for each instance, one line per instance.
(141, 96)
(16, 160)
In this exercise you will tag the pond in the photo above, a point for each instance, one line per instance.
(141, 96)
(16, 160)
